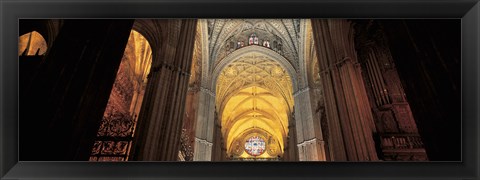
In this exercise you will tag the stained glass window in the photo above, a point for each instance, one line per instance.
(255, 146)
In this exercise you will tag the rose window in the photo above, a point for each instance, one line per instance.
(255, 146)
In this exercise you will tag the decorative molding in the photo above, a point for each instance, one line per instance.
(301, 91)
(208, 91)
(193, 88)
(307, 142)
(203, 141)
(170, 67)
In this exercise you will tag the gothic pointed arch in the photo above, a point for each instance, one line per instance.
(115, 136)
(47, 28)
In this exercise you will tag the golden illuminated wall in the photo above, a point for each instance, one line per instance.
(140, 66)
(120, 117)
(30, 43)
(254, 97)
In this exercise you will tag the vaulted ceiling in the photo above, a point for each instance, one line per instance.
(254, 91)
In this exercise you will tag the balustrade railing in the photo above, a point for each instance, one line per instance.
(401, 141)
(114, 139)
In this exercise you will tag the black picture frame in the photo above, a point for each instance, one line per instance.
(11, 11)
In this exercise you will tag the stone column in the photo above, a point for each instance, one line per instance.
(309, 133)
(349, 117)
(60, 112)
(206, 104)
(291, 150)
(217, 141)
(157, 136)
(205, 126)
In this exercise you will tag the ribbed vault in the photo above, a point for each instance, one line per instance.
(254, 94)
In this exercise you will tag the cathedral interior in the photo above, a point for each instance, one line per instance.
(239, 90)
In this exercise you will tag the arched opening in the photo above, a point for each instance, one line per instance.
(254, 102)
(115, 135)
(31, 50)
(31, 44)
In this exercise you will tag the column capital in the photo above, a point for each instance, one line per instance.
(203, 141)
(208, 91)
(306, 142)
(301, 91)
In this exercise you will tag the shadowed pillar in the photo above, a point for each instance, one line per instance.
(397, 134)
(310, 142)
(348, 111)
(157, 136)
(61, 110)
